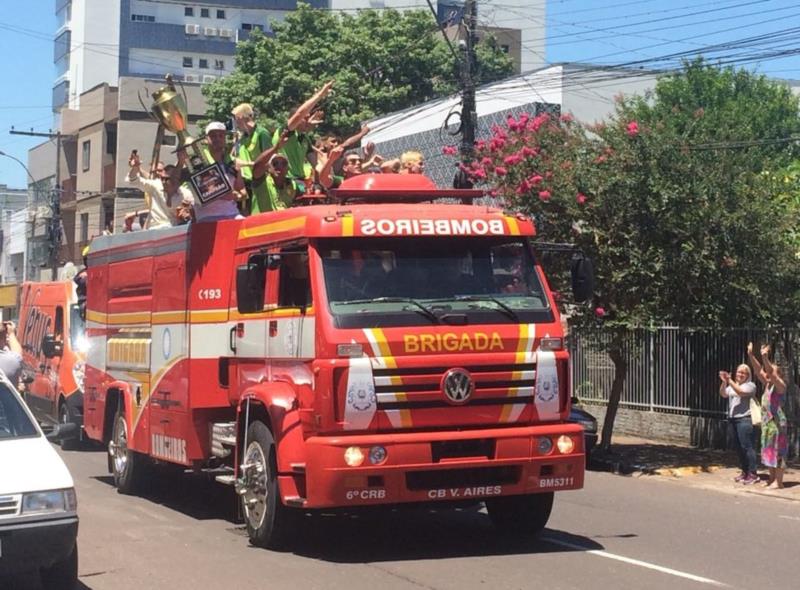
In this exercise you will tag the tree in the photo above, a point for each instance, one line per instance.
(382, 61)
(672, 198)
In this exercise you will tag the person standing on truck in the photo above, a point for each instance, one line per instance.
(272, 187)
(10, 353)
(163, 195)
(216, 151)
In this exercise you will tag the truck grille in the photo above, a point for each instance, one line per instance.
(10, 505)
(419, 387)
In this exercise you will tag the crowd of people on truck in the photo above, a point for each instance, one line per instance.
(268, 170)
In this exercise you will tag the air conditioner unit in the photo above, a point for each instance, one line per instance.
(191, 78)
(208, 78)
(192, 29)
(209, 31)
(227, 33)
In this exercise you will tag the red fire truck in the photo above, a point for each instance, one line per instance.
(381, 349)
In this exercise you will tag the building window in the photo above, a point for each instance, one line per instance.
(169, 140)
(205, 13)
(188, 11)
(188, 62)
(143, 18)
(252, 27)
(220, 14)
(86, 154)
(202, 64)
(219, 64)
(505, 48)
(84, 227)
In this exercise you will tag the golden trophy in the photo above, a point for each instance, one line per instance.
(208, 178)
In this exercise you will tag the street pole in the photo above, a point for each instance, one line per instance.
(54, 231)
(469, 116)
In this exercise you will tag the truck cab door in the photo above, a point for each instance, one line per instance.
(291, 328)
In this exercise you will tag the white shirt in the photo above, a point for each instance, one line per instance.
(160, 214)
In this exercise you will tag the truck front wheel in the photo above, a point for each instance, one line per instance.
(520, 514)
(266, 517)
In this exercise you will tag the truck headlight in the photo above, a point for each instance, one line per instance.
(49, 502)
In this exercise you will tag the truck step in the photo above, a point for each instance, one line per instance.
(223, 439)
(227, 480)
(295, 501)
(298, 467)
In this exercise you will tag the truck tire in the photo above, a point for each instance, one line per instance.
(520, 514)
(62, 575)
(128, 467)
(65, 417)
(268, 520)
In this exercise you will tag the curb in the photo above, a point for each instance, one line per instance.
(624, 468)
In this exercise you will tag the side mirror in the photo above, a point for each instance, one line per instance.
(251, 279)
(52, 347)
(582, 272)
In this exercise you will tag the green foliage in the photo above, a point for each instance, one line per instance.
(679, 233)
(382, 61)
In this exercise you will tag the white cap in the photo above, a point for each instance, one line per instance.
(215, 126)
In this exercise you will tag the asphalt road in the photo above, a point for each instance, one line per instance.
(619, 532)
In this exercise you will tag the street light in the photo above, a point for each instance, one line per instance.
(18, 161)
(28, 210)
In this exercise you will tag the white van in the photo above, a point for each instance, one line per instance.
(38, 507)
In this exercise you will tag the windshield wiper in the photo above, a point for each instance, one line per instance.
(421, 308)
(500, 305)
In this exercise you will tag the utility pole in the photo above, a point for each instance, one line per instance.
(469, 116)
(54, 231)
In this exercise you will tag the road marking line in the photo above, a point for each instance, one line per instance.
(644, 564)
(789, 517)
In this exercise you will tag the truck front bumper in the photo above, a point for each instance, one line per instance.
(436, 466)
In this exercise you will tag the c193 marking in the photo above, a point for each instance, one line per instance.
(207, 294)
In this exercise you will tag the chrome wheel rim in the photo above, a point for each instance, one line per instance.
(254, 498)
(118, 446)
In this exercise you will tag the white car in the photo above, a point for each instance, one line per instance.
(38, 507)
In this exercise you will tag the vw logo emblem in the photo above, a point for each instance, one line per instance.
(457, 386)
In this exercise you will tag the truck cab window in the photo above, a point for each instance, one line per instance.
(294, 284)
(58, 330)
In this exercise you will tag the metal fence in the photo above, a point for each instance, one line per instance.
(673, 370)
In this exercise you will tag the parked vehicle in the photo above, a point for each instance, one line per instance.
(589, 423)
(54, 345)
(381, 349)
(38, 506)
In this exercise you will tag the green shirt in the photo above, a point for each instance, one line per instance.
(295, 149)
(252, 146)
(268, 197)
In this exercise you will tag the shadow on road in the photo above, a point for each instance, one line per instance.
(412, 533)
(196, 496)
(366, 535)
(31, 582)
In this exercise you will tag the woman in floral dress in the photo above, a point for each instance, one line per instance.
(774, 441)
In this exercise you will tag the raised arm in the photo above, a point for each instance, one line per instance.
(758, 371)
(304, 110)
(724, 378)
(261, 162)
(325, 175)
(772, 372)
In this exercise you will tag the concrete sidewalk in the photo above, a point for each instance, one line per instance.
(711, 469)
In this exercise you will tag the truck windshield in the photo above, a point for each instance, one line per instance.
(373, 282)
(14, 421)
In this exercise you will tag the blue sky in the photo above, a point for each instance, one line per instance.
(595, 31)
